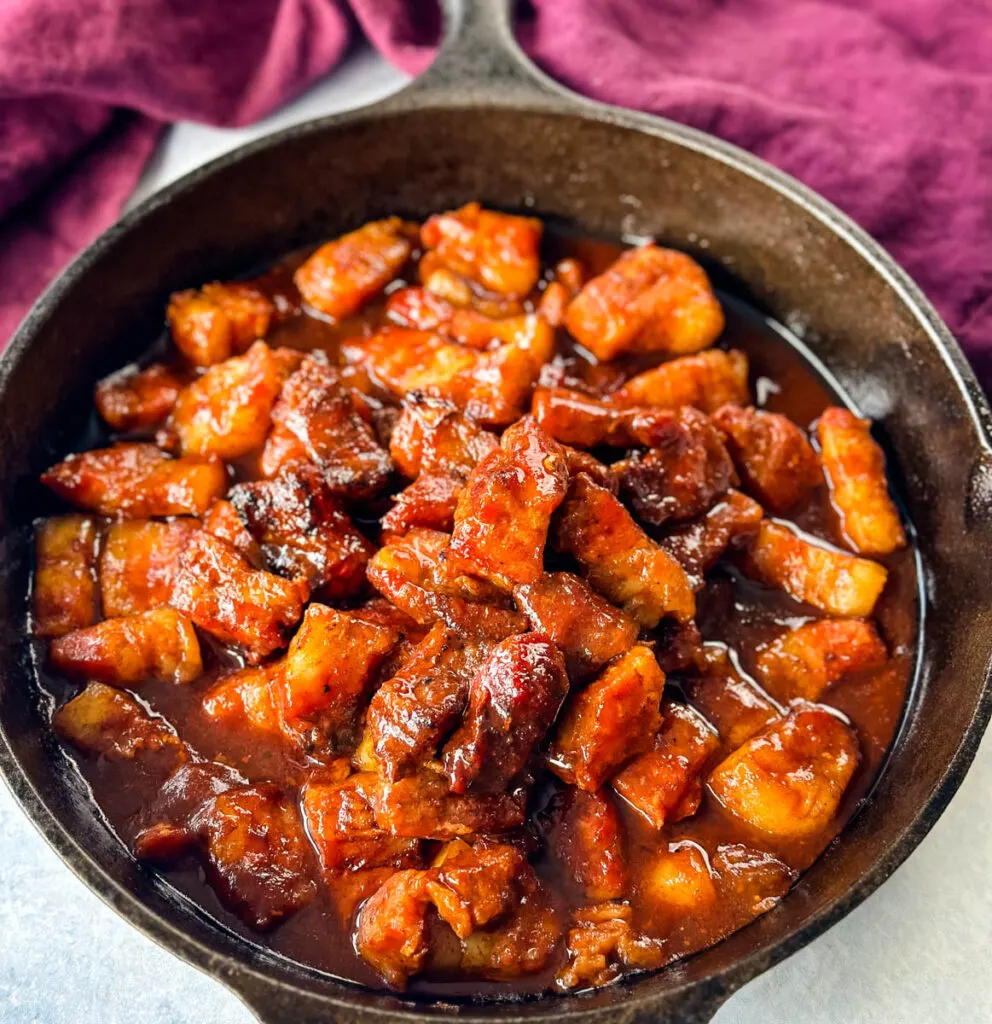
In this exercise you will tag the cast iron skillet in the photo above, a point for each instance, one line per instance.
(484, 123)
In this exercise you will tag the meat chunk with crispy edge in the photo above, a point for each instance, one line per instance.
(391, 933)
(303, 533)
(706, 380)
(680, 477)
(429, 503)
(805, 661)
(413, 573)
(786, 782)
(664, 784)
(315, 422)
(612, 720)
(588, 630)
(503, 515)
(136, 480)
(513, 699)
(619, 559)
(136, 399)
(220, 591)
(346, 273)
(432, 436)
(138, 560)
(833, 581)
(218, 321)
(650, 300)
(855, 468)
(773, 456)
(578, 419)
(105, 721)
(498, 251)
(64, 592)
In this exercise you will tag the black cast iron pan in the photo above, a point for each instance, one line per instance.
(483, 123)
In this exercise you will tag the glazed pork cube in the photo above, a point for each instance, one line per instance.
(855, 468)
(159, 645)
(786, 782)
(418, 308)
(429, 503)
(835, 582)
(223, 521)
(220, 591)
(612, 720)
(753, 879)
(773, 456)
(134, 399)
(677, 881)
(650, 300)
(218, 321)
(805, 661)
(706, 380)
(503, 515)
(569, 277)
(64, 593)
(250, 698)
(577, 419)
(135, 481)
(392, 933)
(345, 274)
(619, 559)
(498, 251)
(587, 838)
(432, 436)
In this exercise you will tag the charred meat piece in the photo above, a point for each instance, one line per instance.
(218, 321)
(706, 381)
(586, 835)
(64, 595)
(133, 399)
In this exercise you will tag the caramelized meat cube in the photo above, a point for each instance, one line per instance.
(330, 663)
(663, 785)
(650, 300)
(478, 331)
(619, 559)
(64, 594)
(707, 381)
(391, 933)
(502, 518)
(786, 782)
(248, 698)
(134, 399)
(138, 561)
(775, 460)
(683, 476)
(256, 854)
(418, 308)
(753, 879)
(159, 645)
(343, 275)
(495, 250)
(303, 533)
(134, 481)
(698, 546)
(219, 590)
(855, 468)
(513, 699)
(587, 838)
(227, 412)
(678, 881)
(611, 721)
(834, 582)
(587, 628)
(574, 418)
(224, 522)
(107, 722)
(432, 436)
(807, 660)
(428, 503)
(218, 321)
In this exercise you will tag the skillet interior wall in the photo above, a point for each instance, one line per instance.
(318, 182)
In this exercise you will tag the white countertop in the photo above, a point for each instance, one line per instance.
(916, 952)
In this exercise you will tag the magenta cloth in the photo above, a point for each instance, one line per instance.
(884, 106)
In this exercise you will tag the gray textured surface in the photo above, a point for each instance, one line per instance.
(915, 953)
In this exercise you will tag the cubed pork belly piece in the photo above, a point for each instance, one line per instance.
(250, 698)
(612, 720)
(677, 881)
(753, 879)
(346, 273)
(664, 784)
(392, 933)
(503, 515)
(588, 629)
(136, 480)
(432, 436)
(419, 308)
(223, 521)
(619, 559)
(828, 579)
(578, 419)
(513, 700)
(706, 380)
(316, 422)
(855, 468)
(569, 277)
(158, 646)
(218, 321)
(136, 399)
(138, 560)
(805, 661)
(498, 251)
(786, 782)
(219, 590)
(650, 300)
(64, 593)
(429, 503)
(776, 462)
